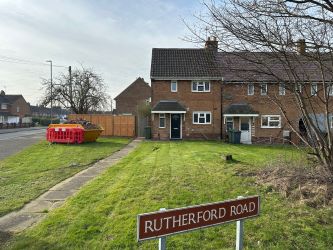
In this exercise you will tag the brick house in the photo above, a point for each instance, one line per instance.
(202, 93)
(128, 100)
(14, 109)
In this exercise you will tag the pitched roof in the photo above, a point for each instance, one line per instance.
(13, 98)
(138, 81)
(168, 105)
(184, 64)
(3, 99)
(240, 109)
(269, 66)
(208, 64)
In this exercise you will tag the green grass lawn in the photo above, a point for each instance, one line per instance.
(31, 172)
(177, 174)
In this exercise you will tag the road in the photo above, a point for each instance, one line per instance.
(16, 140)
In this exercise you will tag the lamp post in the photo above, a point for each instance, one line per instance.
(50, 61)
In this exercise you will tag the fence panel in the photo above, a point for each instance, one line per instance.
(114, 125)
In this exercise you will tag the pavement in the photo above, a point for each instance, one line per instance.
(36, 210)
(14, 140)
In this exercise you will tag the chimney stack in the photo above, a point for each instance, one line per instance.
(211, 43)
(301, 47)
(2, 92)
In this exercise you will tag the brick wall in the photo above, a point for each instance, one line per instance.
(130, 98)
(237, 93)
(24, 108)
(192, 101)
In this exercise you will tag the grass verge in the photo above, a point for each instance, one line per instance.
(177, 174)
(31, 172)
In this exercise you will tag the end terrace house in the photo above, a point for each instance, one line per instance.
(186, 93)
(202, 93)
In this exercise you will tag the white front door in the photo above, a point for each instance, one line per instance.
(245, 128)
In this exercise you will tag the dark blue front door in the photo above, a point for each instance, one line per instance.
(175, 126)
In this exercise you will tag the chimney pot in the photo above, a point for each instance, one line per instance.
(211, 43)
(301, 46)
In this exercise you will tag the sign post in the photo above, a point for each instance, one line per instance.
(162, 240)
(239, 232)
(180, 220)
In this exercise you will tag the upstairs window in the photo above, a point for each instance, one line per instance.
(3, 106)
(282, 89)
(174, 86)
(162, 121)
(330, 90)
(271, 121)
(314, 89)
(331, 121)
(263, 89)
(250, 89)
(202, 117)
(17, 109)
(298, 87)
(200, 86)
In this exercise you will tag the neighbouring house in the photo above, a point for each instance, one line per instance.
(42, 111)
(128, 101)
(14, 109)
(203, 93)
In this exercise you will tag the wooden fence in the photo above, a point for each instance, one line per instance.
(113, 125)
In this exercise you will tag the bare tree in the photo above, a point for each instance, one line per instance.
(289, 42)
(82, 92)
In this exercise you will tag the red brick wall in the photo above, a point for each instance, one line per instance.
(237, 93)
(193, 101)
(24, 108)
(135, 94)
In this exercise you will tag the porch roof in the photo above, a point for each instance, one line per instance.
(240, 109)
(168, 106)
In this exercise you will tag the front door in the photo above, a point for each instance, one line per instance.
(245, 128)
(175, 126)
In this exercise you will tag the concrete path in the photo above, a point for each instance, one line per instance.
(37, 209)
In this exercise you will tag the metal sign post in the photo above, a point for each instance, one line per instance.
(162, 240)
(159, 224)
(239, 232)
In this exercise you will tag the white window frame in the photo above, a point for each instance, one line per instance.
(250, 86)
(176, 84)
(330, 89)
(200, 83)
(314, 89)
(4, 106)
(262, 92)
(202, 113)
(269, 120)
(298, 87)
(226, 122)
(282, 89)
(162, 116)
(331, 121)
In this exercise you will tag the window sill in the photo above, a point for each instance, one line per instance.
(269, 127)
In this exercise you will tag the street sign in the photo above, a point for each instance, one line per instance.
(180, 220)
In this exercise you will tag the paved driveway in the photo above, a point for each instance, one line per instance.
(16, 140)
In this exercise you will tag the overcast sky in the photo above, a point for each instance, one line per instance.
(114, 37)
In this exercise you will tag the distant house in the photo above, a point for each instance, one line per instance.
(14, 109)
(127, 102)
(42, 111)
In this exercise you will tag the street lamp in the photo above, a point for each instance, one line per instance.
(50, 61)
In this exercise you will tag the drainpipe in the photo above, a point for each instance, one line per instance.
(221, 110)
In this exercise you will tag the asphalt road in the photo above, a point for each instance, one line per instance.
(15, 141)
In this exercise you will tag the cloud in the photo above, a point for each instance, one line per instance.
(113, 37)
